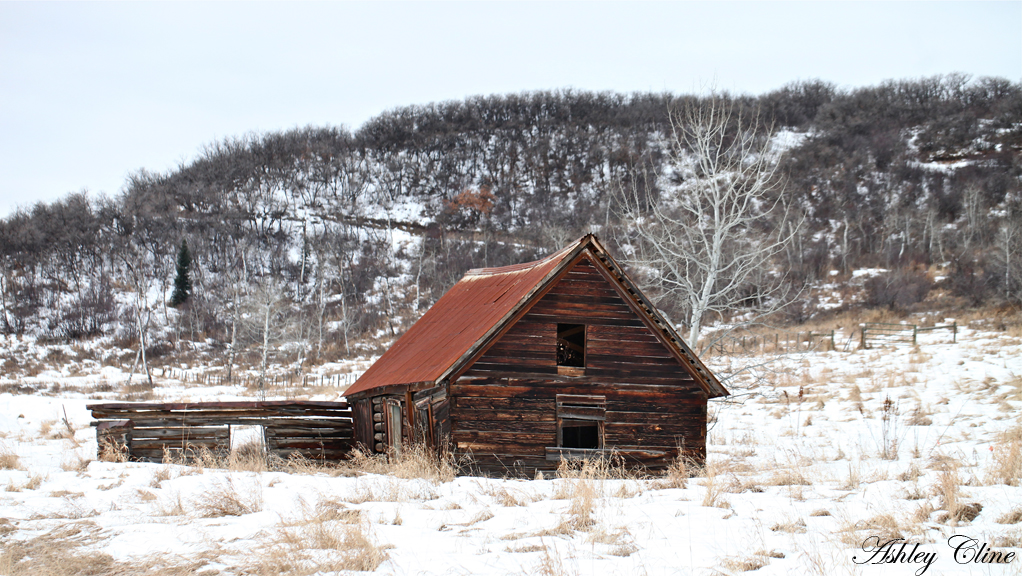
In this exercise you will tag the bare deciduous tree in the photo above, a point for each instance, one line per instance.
(268, 321)
(707, 240)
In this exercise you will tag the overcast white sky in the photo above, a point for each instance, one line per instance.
(91, 92)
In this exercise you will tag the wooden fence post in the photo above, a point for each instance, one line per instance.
(862, 338)
(915, 333)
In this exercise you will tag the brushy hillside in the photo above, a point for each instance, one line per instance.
(343, 236)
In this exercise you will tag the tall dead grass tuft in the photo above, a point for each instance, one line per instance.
(1014, 516)
(415, 461)
(715, 487)
(248, 457)
(223, 498)
(948, 489)
(1006, 465)
(331, 539)
(9, 460)
(676, 475)
(551, 564)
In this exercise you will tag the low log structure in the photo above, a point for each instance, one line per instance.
(516, 368)
(146, 431)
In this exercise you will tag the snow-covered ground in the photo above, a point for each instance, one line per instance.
(815, 455)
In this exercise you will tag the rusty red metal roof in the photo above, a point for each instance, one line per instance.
(478, 303)
(452, 332)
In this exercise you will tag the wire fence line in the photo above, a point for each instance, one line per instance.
(291, 380)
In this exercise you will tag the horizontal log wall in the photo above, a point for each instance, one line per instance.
(315, 430)
(503, 410)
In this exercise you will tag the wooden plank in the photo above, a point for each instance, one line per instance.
(580, 299)
(580, 399)
(637, 391)
(219, 405)
(512, 362)
(483, 436)
(499, 405)
(588, 309)
(509, 414)
(516, 426)
(508, 448)
(672, 417)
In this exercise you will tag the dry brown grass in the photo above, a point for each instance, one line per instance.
(948, 489)
(744, 563)
(1006, 465)
(112, 451)
(415, 461)
(715, 486)
(676, 475)
(68, 550)
(331, 539)
(9, 460)
(885, 526)
(791, 527)
(1013, 516)
(33, 483)
(248, 457)
(223, 498)
(510, 497)
(551, 564)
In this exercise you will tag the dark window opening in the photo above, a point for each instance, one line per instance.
(580, 436)
(571, 345)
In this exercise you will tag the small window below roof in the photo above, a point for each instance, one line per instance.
(571, 345)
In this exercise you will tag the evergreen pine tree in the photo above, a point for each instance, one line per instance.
(182, 283)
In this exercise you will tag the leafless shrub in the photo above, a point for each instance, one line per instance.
(224, 499)
(889, 429)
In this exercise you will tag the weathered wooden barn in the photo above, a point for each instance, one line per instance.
(520, 366)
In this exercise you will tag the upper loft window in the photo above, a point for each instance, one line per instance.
(571, 345)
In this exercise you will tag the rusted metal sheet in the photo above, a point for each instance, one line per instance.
(459, 320)
(483, 305)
